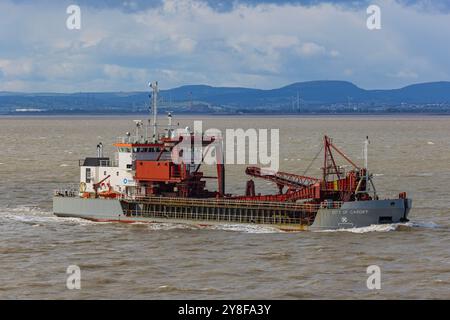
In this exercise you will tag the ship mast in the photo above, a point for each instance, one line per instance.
(366, 160)
(154, 100)
(368, 177)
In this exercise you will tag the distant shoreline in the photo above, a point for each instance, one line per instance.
(310, 97)
(216, 115)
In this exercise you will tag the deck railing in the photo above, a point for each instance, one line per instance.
(102, 163)
(208, 202)
(238, 217)
(229, 203)
(137, 139)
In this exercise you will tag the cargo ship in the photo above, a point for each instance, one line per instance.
(149, 180)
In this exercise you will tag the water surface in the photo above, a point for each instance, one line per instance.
(164, 261)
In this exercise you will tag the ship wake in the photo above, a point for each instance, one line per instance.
(408, 226)
(35, 216)
(246, 228)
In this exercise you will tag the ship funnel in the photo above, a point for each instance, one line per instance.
(100, 150)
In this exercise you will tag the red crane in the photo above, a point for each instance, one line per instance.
(98, 184)
(340, 188)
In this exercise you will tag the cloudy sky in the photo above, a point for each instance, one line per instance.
(123, 44)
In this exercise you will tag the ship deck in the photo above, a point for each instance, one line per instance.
(222, 210)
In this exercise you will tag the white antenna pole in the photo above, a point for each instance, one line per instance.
(154, 87)
(169, 116)
(146, 130)
(366, 160)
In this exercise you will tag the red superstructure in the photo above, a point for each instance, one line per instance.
(165, 177)
(172, 176)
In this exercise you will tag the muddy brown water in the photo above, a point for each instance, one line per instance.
(164, 261)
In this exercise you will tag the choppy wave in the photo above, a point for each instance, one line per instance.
(371, 228)
(378, 174)
(424, 174)
(177, 289)
(387, 227)
(36, 216)
(422, 224)
(168, 226)
(246, 228)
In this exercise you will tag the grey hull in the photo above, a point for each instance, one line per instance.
(350, 215)
(93, 209)
(111, 210)
(359, 214)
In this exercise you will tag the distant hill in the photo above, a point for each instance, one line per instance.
(312, 95)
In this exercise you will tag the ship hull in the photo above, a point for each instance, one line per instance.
(349, 215)
(111, 210)
(360, 214)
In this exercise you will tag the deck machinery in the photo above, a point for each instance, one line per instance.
(335, 185)
(153, 180)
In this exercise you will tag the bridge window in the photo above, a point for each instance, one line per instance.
(88, 175)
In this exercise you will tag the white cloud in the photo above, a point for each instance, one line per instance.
(16, 68)
(348, 72)
(13, 85)
(310, 49)
(116, 72)
(334, 53)
(185, 45)
(405, 74)
(186, 41)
